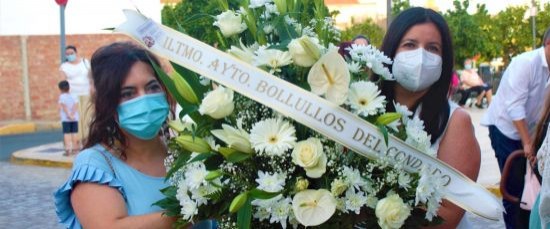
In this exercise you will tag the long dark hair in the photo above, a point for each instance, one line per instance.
(110, 66)
(435, 106)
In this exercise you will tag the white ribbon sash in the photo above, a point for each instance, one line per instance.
(310, 110)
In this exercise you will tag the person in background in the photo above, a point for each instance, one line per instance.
(75, 70)
(360, 40)
(513, 113)
(472, 82)
(419, 42)
(68, 110)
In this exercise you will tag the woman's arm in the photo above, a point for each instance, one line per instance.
(459, 148)
(101, 206)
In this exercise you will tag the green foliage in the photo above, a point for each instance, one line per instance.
(513, 33)
(398, 6)
(367, 28)
(185, 17)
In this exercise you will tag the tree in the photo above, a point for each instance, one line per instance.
(491, 47)
(513, 32)
(398, 6)
(367, 28)
(542, 22)
(468, 37)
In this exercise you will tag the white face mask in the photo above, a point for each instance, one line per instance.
(417, 69)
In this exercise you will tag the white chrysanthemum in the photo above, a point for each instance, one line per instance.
(195, 174)
(373, 59)
(353, 178)
(372, 200)
(200, 194)
(270, 182)
(417, 137)
(188, 207)
(280, 211)
(272, 136)
(355, 200)
(404, 180)
(272, 58)
(365, 99)
(403, 110)
(261, 213)
(354, 67)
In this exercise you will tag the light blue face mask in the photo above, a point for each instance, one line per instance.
(143, 116)
(71, 57)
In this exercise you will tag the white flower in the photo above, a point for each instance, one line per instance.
(199, 194)
(338, 186)
(355, 200)
(186, 123)
(330, 77)
(212, 143)
(305, 51)
(268, 28)
(243, 52)
(270, 183)
(261, 213)
(188, 206)
(417, 137)
(218, 103)
(234, 138)
(313, 207)
(404, 180)
(373, 58)
(353, 178)
(230, 23)
(403, 110)
(392, 212)
(195, 174)
(354, 67)
(280, 212)
(364, 98)
(272, 136)
(258, 3)
(372, 200)
(309, 155)
(272, 58)
(205, 81)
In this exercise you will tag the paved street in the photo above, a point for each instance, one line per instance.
(26, 195)
(12, 143)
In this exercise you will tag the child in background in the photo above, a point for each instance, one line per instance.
(68, 110)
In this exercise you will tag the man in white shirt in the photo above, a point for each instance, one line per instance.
(512, 115)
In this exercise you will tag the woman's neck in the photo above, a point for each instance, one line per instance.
(406, 97)
(144, 150)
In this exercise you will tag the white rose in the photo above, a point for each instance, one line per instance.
(305, 51)
(392, 212)
(313, 207)
(218, 103)
(230, 23)
(309, 155)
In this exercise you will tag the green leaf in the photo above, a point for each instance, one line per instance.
(201, 157)
(213, 175)
(244, 215)
(261, 194)
(286, 32)
(384, 132)
(387, 118)
(233, 155)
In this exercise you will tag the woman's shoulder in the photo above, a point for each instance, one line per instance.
(96, 156)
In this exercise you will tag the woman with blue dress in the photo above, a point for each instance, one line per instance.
(117, 177)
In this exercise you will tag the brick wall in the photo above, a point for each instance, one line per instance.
(43, 72)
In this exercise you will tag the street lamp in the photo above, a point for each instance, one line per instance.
(62, 4)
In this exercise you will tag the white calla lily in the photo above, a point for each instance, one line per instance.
(313, 207)
(234, 138)
(330, 77)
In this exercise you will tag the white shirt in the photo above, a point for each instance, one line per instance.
(77, 75)
(520, 94)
